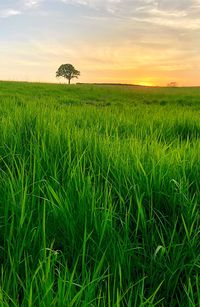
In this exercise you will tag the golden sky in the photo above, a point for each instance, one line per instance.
(125, 41)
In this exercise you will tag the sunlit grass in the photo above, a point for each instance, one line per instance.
(99, 196)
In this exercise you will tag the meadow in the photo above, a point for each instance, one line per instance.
(99, 195)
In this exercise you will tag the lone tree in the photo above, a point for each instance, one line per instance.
(67, 71)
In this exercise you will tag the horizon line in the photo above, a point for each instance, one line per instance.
(103, 83)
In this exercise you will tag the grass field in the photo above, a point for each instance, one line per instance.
(99, 196)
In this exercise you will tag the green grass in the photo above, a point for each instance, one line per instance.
(99, 196)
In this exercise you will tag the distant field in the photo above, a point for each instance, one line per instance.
(99, 195)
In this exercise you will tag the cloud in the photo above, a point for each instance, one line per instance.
(98, 5)
(8, 13)
(176, 14)
(32, 3)
(18, 8)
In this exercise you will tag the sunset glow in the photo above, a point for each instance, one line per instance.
(147, 42)
(146, 83)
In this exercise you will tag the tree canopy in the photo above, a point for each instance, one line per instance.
(67, 71)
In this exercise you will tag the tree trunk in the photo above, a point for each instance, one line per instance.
(69, 81)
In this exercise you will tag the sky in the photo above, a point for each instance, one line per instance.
(148, 42)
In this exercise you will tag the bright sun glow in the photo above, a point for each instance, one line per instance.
(146, 83)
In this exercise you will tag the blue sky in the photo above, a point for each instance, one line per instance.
(134, 41)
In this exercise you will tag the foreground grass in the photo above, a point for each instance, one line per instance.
(99, 196)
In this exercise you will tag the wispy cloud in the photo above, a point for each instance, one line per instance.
(8, 13)
(18, 7)
(168, 13)
(104, 5)
(32, 3)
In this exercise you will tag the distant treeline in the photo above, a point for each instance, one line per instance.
(112, 84)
